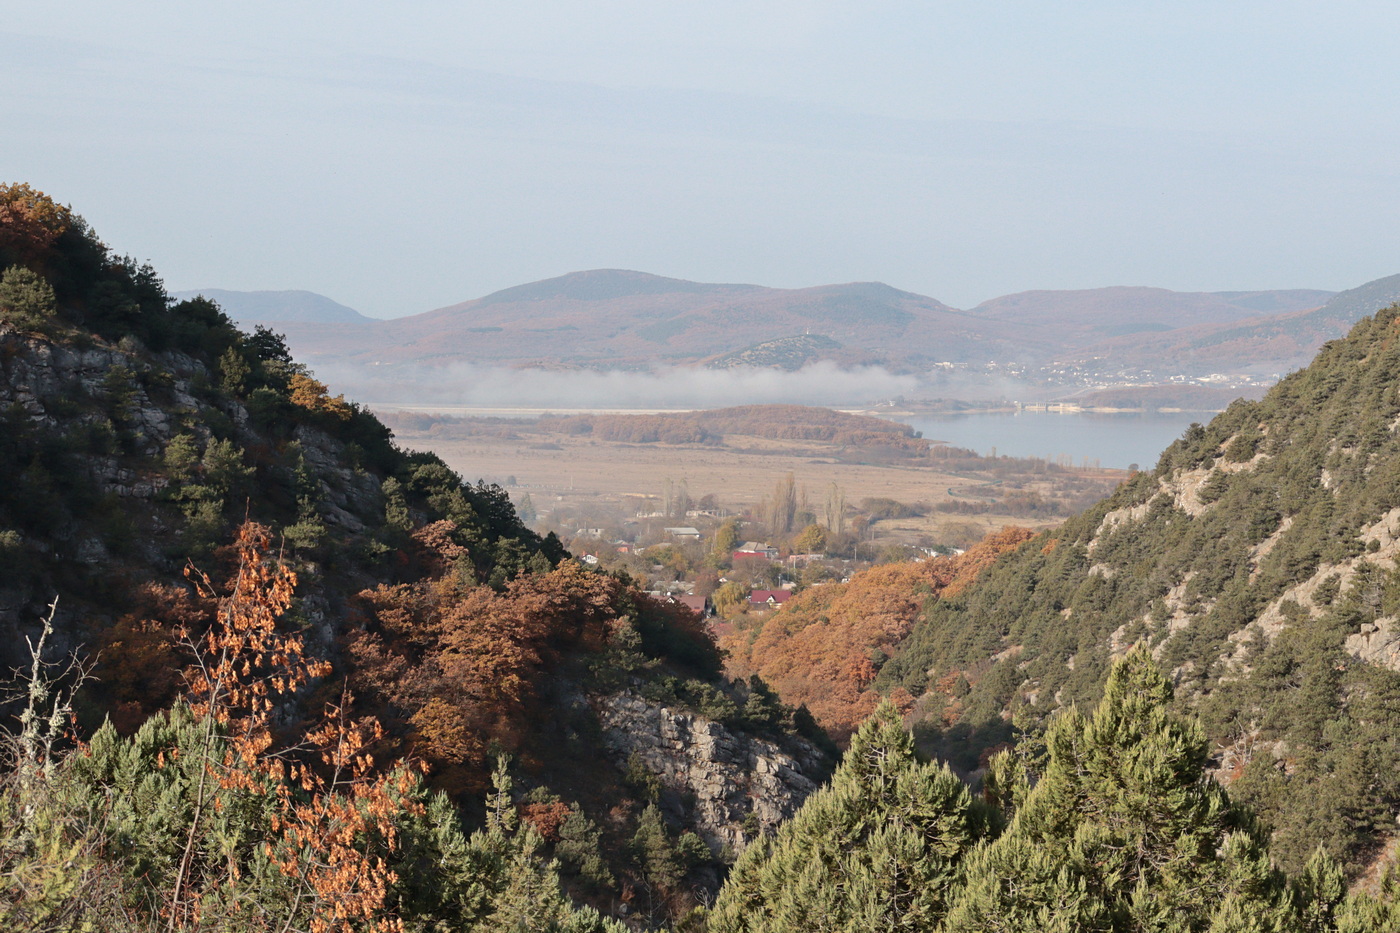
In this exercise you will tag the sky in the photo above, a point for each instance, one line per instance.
(399, 158)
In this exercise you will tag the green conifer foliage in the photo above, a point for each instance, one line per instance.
(1366, 913)
(880, 848)
(26, 299)
(1125, 831)
(497, 880)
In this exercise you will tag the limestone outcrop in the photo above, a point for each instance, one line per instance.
(725, 784)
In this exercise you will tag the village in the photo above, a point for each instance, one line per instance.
(713, 568)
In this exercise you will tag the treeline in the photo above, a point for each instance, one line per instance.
(774, 422)
(633, 429)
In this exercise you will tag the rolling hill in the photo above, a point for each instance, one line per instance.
(1262, 344)
(616, 319)
(611, 319)
(248, 309)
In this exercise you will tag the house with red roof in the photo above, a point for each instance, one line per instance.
(768, 599)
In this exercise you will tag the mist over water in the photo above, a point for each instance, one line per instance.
(473, 386)
(1109, 439)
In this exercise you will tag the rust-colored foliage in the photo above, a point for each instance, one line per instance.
(327, 802)
(459, 665)
(29, 221)
(313, 395)
(546, 817)
(435, 548)
(140, 660)
(823, 647)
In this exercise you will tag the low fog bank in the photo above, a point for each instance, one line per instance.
(471, 386)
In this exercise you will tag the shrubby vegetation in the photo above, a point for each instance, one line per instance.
(199, 821)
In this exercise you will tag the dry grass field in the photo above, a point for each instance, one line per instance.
(584, 477)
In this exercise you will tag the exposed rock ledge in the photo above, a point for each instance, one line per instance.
(723, 776)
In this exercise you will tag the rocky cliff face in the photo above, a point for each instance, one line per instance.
(726, 785)
(87, 425)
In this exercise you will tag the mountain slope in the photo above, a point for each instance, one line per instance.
(1259, 561)
(1274, 343)
(276, 307)
(138, 435)
(1109, 312)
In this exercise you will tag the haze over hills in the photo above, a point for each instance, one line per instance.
(1055, 341)
(1259, 345)
(266, 307)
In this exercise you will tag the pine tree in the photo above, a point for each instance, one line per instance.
(879, 848)
(1125, 831)
(503, 883)
(1364, 913)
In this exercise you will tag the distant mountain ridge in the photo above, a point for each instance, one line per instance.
(606, 319)
(1263, 343)
(1122, 310)
(275, 307)
(598, 285)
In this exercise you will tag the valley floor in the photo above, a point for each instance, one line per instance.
(574, 474)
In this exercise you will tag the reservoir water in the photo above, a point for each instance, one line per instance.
(1113, 439)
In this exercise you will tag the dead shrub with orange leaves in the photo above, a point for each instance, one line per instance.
(327, 800)
(215, 824)
(204, 820)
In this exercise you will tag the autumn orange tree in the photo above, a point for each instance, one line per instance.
(216, 825)
(824, 647)
(324, 806)
(29, 222)
(459, 665)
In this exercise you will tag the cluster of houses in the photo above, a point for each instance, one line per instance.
(751, 550)
(759, 600)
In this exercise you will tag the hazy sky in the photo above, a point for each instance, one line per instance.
(399, 158)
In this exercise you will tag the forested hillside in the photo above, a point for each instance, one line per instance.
(824, 648)
(1259, 563)
(262, 586)
(1112, 826)
(279, 674)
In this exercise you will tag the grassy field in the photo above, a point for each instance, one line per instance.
(579, 478)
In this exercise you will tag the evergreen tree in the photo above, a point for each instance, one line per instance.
(501, 881)
(1366, 913)
(1125, 831)
(26, 299)
(880, 848)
